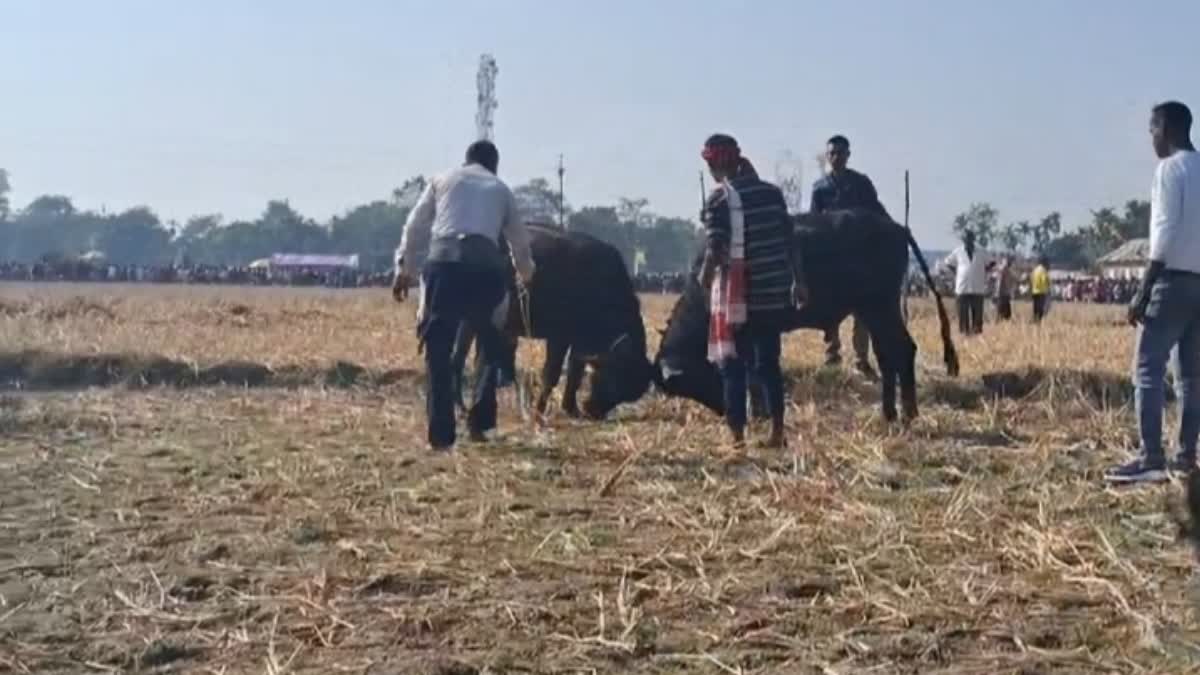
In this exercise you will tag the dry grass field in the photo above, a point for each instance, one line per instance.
(155, 520)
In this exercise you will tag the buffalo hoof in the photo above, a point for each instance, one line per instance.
(867, 371)
(572, 411)
(592, 414)
(774, 442)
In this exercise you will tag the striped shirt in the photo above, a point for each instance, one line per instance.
(768, 240)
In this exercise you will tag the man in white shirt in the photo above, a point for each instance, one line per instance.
(970, 265)
(1167, 307)
(458, 220)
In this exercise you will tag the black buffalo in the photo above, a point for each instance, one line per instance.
(854, 262)
(583, 304)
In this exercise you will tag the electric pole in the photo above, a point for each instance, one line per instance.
(562, 216)
(485, 102)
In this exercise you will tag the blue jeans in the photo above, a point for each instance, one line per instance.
(758, 350)
(1172, 322)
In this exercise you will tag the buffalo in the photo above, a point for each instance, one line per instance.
(582, 303)
(855, 261)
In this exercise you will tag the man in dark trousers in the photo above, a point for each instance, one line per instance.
(459, 219)
(845, 188)
(754, 280)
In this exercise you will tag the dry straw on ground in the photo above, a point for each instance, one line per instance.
(292, 522)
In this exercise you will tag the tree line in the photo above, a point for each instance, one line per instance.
(53, 226)
(1075, 249)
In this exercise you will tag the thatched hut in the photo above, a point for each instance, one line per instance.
(1127, 261)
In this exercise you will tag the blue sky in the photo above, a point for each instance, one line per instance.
(194, 107)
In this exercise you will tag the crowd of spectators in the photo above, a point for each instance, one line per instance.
(1065, 289)
(79, 271)
(1095, 290)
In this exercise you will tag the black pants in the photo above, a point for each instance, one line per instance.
(459, 293)
(1003, 308)
(1039, 308)
(970, 314)
(757, 349)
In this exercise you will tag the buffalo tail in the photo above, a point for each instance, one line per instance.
(949, 354)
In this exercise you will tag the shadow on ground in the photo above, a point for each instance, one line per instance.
(1099, 389)
(45, 371)
(41, 371)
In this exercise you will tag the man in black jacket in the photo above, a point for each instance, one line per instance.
(845, 188)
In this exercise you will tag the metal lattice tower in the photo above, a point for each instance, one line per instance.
(486, 104)
(789, 175)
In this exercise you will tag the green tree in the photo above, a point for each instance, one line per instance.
(1110, 229)
(669, 245)
(405, 196)
(538, 202)
(1013, 236)
(5, 189)
(49, 207)
(979, 218)
(635, 211)
(192, 240)
(372, 231)
(1074, 250)
(604, 223)
(1047, 230)
(289, 232)
(135, 237)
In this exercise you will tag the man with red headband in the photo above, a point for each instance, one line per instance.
(753, 279)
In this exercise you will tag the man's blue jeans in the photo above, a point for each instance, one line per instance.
(1172, 321)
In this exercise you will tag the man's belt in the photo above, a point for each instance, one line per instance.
(470, 249)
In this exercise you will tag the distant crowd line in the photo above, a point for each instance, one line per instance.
(192, 274)
(1069, 289)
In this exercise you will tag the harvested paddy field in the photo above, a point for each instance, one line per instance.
(225, 480)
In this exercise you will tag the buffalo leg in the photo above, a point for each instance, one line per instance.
(575, 370)
(908, 374)
(556, 354)
(903, 358)
(885, 339)
(758, 396)
(507, 366)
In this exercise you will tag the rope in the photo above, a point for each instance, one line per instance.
(523, 304)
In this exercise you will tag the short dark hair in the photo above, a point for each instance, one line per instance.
(1175, 116)
(485, 154)
(720, 140)
(839, 140)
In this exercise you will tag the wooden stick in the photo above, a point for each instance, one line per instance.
(907, 202)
